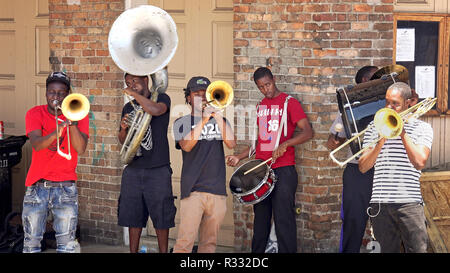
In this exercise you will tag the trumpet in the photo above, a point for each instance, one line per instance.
(74, 107)
(388, 124)
(219, 94)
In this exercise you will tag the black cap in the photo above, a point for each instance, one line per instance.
(197, 83)
(58, 77)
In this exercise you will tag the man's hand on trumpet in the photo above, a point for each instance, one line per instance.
(208, 111)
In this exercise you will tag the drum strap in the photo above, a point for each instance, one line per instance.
(252, 150)
(283, 122)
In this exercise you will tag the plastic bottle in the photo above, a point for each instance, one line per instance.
(144, 249)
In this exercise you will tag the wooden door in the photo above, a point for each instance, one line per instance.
(24, 51)
(205, 33)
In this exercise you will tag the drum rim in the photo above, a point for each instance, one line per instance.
(269, 172)
(259, 184)
(272, 186)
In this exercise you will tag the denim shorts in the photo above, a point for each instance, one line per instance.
(144, 193)
(62, 202)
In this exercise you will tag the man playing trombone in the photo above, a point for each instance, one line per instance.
(51, 178)
(396, 204)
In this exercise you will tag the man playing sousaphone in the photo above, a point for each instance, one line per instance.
(146, 188)
(281, 202)
(396, 209)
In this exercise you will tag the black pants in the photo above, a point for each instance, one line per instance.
(282, 202)
(400, 223)
(356, 193)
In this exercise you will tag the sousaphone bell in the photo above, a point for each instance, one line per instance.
(143, 40)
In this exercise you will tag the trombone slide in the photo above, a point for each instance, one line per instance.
(390, 118)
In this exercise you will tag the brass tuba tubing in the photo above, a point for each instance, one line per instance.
(392, 120)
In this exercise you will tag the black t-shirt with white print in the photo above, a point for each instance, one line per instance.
(154, 149)
(204, 166)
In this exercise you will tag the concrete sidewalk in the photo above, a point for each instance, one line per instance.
(150, 242)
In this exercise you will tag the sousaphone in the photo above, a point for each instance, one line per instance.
(142, 41)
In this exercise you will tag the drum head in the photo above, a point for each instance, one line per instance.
(241, 183)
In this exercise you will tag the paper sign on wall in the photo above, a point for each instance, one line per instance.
(425, 81)
(405, 45)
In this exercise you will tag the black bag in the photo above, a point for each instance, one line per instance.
(11, 240)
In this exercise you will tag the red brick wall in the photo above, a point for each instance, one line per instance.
(79, 46)
(313, 48)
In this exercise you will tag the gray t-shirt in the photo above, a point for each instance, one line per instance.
(204, 166)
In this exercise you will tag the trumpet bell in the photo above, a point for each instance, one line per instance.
(388, 123)
(219, 94)
(143, 40)
(75, 107)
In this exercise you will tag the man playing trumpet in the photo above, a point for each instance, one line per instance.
(201, 135)
(396, 204)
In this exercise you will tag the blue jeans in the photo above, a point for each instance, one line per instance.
(62, 201)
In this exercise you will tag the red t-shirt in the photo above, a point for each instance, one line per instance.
(47, 163)
(269, 116)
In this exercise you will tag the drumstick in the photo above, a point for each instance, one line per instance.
(257, 166)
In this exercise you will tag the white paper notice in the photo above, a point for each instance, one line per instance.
(405, 45)
(425, 81)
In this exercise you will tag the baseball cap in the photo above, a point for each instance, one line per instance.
(197, 83)
(58, 77)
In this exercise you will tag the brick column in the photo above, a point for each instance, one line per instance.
(79, 46)
(313, 47)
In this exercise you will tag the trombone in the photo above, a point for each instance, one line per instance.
(388, 124)
(74, 107)
(219, 94)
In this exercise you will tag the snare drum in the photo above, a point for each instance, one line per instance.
(255, 186)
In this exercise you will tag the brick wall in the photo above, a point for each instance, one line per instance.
(313, 47)
(79, 45)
